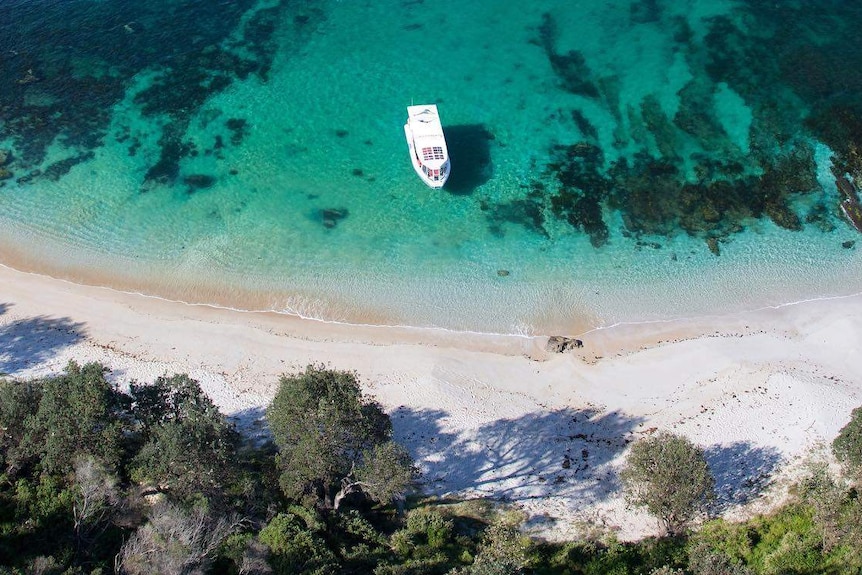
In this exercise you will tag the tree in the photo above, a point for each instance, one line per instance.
(837, 511)
(79, 413)
(188, 445)
(332, 441)
(847, 447)
(668, 475)
(19, 401)
(383, 475)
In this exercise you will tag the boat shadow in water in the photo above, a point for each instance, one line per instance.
(470, 150)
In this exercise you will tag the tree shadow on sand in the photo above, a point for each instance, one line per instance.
(742, 472)
(33, 340)
(251, 423)
(564, 453)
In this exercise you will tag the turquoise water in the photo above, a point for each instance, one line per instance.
(612, 161)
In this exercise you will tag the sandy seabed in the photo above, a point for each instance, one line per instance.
(496, 416)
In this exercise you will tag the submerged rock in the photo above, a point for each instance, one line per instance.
(712, 244)
(331, 216)
(5, 156)
(199, 181)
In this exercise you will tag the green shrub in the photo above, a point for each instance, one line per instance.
(847, 447)
(703, 560)
(296, 550)
(795, 553)
(430, 526)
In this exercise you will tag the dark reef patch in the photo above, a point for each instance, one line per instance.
(645, 11)
(587, 130)
(655, 198)
(581, 190)
(238, 130)
(528, 212)
(59, 169)
(797, 71)
(666, 137)
(571, 68)
(79, 58)
(800, 77)
(698, 118)
(172, 150)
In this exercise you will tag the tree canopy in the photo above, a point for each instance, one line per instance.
(668, 476)
(50, 422)
(332, 440)
(186, 444)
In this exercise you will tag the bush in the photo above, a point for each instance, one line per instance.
(174, 541)
(504, 551)
(19, 401)
(704, 561)
(847, 447)
(294, 549)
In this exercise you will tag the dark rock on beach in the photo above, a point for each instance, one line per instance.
(562, 344)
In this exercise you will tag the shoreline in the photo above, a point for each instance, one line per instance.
(571, 311)
(493, 416)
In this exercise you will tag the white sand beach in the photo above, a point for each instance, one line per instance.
(495, 416)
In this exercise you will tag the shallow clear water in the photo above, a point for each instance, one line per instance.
(612, 161)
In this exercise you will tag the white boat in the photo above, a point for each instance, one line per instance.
(428, 151)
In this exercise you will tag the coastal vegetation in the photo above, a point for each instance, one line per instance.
(152, 478)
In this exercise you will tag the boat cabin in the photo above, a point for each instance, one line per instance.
(429, 154)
